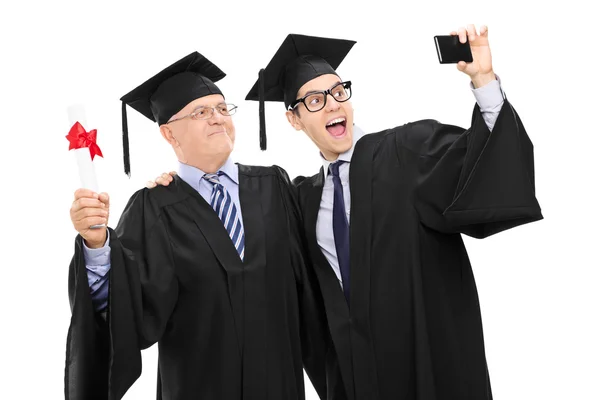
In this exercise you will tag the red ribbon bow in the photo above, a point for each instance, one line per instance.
(79, 138)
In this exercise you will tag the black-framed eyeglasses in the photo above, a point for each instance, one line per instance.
(316, 100)
(204, 112)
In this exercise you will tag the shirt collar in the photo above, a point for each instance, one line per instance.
(357, 133)
(192, 175)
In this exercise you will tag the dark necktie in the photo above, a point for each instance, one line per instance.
(224, 206)
(341, 231)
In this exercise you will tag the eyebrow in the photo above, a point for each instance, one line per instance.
(313, 92)
(207, 106)
(320, 91)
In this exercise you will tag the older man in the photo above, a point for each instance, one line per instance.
(211, 268)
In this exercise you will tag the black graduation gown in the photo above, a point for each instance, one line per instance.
(413, 329)
(226, 329)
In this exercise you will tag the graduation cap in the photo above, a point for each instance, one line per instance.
(166, 93)
(299, 59)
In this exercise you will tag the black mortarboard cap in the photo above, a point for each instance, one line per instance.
(166, 93)
(299, 59)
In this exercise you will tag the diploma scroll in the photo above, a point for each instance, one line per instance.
(83, 146)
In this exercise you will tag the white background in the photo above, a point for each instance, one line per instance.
(537, 283)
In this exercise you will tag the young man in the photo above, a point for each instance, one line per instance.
(400, 296)
(228, 299)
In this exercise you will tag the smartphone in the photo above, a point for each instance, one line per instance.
(451, 50)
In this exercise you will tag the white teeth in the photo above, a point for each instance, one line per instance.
(336, 121)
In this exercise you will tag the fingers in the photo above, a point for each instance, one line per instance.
(167, 178)
(86, 202)
(163, 179)
(461, 66)
(470, 32)
(88, 212)
(83, 225)
(105, 199)
(472, 35)
(88, 198)
(91, 221)
(83, 219)
(89, 209)
(79, 193)
(483, 31)
(462, 35)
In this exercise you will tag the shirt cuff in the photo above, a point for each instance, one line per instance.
(97, 257)
(489, 97)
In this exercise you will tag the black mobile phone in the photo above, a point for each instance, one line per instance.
(451, 50)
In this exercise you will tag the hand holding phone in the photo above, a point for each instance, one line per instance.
(450, 50)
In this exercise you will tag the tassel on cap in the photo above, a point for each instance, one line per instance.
(261, 109)
(125, 140)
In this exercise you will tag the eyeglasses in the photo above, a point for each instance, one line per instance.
(204, 112)
(315, 101)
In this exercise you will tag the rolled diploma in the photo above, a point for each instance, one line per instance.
(85, 165)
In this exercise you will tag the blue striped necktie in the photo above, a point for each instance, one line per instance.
(341, 229)
(222, 203)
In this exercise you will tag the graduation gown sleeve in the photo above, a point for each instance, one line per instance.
(313, 323)
(103, 356)
(473, 181)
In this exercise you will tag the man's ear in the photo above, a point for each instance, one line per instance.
(167, 134)
(294, 120)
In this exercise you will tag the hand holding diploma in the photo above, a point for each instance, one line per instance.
(90, 209)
